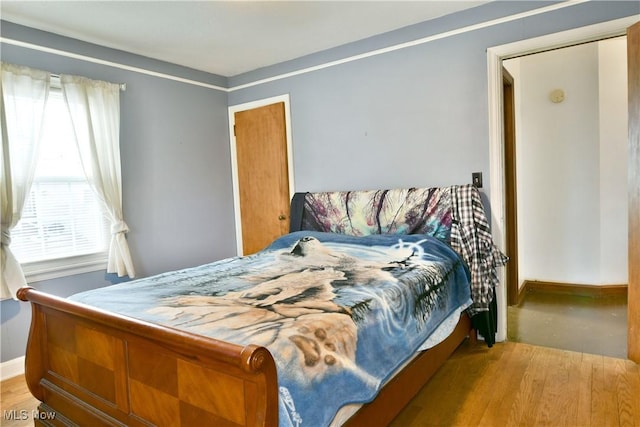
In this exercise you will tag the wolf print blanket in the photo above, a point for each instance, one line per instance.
(339, 313)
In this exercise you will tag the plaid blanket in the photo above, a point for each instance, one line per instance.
(471, 238)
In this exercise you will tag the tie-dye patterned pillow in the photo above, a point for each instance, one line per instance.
(361, 213)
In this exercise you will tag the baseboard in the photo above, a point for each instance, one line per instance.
(12, 368)
(522, 291)
(575, 289)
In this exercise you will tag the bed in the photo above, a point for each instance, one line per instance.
(351, 313)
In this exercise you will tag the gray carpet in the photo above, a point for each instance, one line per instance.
(595, 325)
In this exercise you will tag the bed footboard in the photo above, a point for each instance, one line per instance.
(96, 368)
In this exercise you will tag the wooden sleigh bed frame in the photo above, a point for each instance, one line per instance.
(91, 367)
(94, 368)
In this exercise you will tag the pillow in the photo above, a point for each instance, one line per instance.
(362, 213)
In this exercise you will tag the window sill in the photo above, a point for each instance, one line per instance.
(63, 267)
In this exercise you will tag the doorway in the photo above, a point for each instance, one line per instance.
(261, 157)
(571, 115)
(495, 56)
(572, 198)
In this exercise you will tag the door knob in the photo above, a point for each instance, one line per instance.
(281, 217)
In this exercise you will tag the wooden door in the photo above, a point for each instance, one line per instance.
(263, 176)
(633, 297)
(511, 215)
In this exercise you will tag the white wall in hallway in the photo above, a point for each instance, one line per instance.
(571, 164)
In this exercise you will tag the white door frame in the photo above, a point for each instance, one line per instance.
(495, 56)
(234, 158)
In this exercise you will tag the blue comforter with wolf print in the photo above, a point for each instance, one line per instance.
(339, 313)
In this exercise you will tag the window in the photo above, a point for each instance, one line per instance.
(63, 229)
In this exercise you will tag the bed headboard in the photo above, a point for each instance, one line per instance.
(361, 213)
(453, 214)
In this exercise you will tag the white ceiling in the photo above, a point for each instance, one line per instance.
(224, 37)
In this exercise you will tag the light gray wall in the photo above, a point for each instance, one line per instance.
(176, 173)
(412, 117)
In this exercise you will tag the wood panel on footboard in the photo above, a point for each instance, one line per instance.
(92, 367)
(96, 368)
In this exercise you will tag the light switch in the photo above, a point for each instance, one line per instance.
(476, 179)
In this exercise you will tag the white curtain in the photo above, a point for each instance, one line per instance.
(23, 96)
(95, 113)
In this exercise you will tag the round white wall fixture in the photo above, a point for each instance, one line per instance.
(556, 96)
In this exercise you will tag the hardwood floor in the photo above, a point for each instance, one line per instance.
(511, 384)
(515, 384)
(18, 405)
